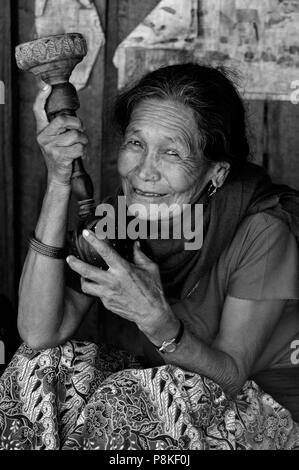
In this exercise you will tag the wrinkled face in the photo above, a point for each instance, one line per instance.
(289, 6)
(159, 160)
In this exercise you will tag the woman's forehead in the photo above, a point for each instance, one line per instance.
(168, 117)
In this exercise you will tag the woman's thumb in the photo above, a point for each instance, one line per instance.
(39, 107)
(140, 259)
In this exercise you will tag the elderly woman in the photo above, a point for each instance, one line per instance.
(183, 331)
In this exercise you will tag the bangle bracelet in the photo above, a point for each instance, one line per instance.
(47, 250)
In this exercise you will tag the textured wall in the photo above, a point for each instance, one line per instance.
(260, 39)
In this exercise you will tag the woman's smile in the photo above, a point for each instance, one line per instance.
(148, 194)
(148, 198)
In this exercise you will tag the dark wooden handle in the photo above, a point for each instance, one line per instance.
(64, 101)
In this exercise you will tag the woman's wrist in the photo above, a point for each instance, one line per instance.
(59, 186)
(52, 224)
(164, 329)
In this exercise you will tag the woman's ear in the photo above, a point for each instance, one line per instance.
(220, 173)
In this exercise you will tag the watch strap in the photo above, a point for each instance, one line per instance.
(174, 341)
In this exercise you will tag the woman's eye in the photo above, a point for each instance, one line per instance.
(136, 143)
(172, 153)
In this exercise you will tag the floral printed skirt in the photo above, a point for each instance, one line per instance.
(84, 396)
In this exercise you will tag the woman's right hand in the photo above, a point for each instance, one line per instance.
(61, 141)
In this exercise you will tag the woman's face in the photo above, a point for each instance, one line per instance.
(159, 160)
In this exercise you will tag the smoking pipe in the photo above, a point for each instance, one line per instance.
(53, 60)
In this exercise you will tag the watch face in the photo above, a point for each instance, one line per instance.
(170, 348)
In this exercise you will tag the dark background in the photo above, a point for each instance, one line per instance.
(273, 131)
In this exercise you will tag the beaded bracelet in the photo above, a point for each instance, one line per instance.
(47, 250)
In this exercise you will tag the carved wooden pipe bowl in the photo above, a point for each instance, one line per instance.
(53, 59)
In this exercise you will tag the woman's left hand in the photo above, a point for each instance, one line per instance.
(132, 291)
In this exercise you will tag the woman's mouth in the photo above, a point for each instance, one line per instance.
(148, 194)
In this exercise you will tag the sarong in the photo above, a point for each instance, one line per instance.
(95, 397)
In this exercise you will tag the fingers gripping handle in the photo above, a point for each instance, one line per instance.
(64, 100)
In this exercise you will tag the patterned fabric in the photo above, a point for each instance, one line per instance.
(83, 396)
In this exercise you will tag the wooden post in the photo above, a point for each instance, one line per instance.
(7, 215)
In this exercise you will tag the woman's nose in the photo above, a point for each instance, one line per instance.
(147, 170)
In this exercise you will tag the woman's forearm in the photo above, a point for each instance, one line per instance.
(194, 355)
(41, 292)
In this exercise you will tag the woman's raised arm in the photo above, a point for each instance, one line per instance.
(49, 313)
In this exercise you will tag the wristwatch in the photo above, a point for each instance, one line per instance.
(171, 345)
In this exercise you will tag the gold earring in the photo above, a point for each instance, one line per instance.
(212, 190)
